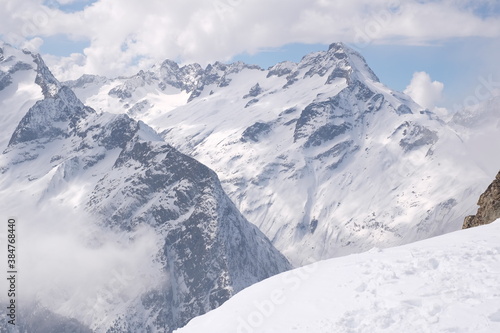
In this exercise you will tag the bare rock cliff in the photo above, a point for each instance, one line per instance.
(489, 206)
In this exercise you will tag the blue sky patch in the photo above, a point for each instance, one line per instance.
(62, 46)
(75, 6)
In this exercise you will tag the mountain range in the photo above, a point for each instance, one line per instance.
(319, 154)
(316, 159)
(117, 176)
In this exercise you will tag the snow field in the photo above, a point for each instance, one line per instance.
(445, 284)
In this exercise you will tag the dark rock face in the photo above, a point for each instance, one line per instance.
(117, 133)
(489, 206)
(20, 66)
(291, 79)
(338, 153)
(255, 91)
(403, 109)
(120, 92)
(209, 247)
(340, 113)
(418, 136)
(217, 74)
(251, 102)
(339, 73)
(256, 132)
(6, 77)
(5, 80)
(281, 69)
(44, 78)
(54, 117)
(326, 133)
(415, 136)
(179, 77)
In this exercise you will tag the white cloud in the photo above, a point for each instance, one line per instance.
(424, 91)
(78, 269)
(33, 44)
(122, 31)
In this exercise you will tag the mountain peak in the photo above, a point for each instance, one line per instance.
(49, 84)
(355, 59)
(339, 61)
(337, 46)
(51, 118)
(54, 116)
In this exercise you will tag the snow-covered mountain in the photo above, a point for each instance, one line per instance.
(123, 233)
(445, 284)
(319, 154)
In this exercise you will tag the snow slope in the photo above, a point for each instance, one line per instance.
(445, 284)
(319, 154)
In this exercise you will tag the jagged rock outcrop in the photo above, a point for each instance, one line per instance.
(489, 206)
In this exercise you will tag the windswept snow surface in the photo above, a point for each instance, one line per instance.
(445, 284)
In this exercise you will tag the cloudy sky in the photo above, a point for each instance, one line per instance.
(441, 52)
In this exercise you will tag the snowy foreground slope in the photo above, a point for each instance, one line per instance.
(445, 284)
(319, 154)
(118, 231)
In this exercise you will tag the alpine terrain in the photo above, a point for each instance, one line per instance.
(319, 154)
(118, 231)
(123, 225)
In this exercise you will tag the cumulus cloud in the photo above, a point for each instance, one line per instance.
(33, 44)
(424, 91)
(129, 33)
